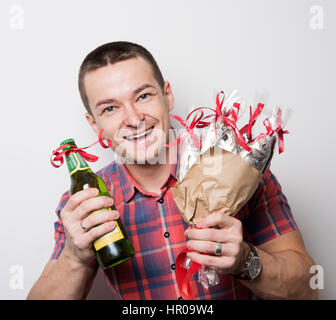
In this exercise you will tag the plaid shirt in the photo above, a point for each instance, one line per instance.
(155, 228)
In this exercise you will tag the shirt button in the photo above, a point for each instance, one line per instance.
(166, 234)
(160, 200)
(180, 298)
(173, 266)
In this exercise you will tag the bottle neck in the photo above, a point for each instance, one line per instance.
(76, 162)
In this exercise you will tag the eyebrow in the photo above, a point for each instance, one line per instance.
(136, 91)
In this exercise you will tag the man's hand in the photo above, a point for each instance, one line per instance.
(228, 231)
(76, 213)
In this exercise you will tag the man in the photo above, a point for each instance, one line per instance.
(125, 95)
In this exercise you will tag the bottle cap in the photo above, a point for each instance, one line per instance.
(68, 141)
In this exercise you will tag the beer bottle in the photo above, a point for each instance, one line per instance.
(114, 247)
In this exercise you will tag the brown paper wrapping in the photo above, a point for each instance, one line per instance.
(220, 180)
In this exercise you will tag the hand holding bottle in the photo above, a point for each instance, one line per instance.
(83, 224)
(89, 217)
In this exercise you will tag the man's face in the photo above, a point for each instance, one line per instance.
(128, 104)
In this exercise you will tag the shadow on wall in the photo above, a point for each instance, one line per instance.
(101, 290)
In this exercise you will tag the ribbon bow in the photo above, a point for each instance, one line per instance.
(183, 275)
(197, 122)
(58, 154)
(224, 116)
(270, 131)
(253, 117)
(279, 130)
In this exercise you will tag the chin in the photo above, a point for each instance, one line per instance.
(153, 155)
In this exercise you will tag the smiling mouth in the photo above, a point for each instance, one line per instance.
(140, 136)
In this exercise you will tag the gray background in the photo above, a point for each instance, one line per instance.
(200, 46)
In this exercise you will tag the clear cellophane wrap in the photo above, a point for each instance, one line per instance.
(221, 166)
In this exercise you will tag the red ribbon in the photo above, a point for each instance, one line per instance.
(279, 130)
(197, 122)
(235, 111)
(183, 275)
(253, 117)
(58, 154)
(219, 105)
(218, 113)
(269, 132)
(232, 124)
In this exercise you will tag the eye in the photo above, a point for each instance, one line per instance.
(144, 96)
(109, 109)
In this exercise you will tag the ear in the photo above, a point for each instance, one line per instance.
(169, 96)
(92, 122)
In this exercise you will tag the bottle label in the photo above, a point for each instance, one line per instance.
(76, 163)
(110, 237)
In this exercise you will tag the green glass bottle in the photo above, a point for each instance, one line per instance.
(114, 247)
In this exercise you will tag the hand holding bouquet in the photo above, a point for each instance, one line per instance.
(220, 168)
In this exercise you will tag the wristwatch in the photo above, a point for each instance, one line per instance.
(252, 266)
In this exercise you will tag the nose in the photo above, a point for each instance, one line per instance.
(133, 117)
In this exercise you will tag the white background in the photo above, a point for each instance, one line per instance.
(200, 46)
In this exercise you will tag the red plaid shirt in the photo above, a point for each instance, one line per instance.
(155, 228)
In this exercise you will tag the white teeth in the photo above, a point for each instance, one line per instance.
(139, 135)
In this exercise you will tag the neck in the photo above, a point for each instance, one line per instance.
(151, 177)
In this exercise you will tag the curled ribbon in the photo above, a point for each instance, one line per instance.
(279, 130)
(58, 154)
(232, 124)
(197, 122)
(224, 116)
(253, 117)
(235, 111)
(217, 113)
(270, 131)
(183, 275)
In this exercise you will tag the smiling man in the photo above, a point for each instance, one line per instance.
(262, 252)
(133, 110)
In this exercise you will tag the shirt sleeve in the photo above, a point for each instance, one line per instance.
(269, 215)
(59, 233)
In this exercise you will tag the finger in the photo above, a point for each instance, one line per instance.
(80, 196)
(99, 217)
(98, 231)
(186, 231)
(219, 219)
(210, 247)
(90, 205)
(211, 234)
(222, 262)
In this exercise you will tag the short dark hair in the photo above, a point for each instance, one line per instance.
(111, 53)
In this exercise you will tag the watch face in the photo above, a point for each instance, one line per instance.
(254, 267)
